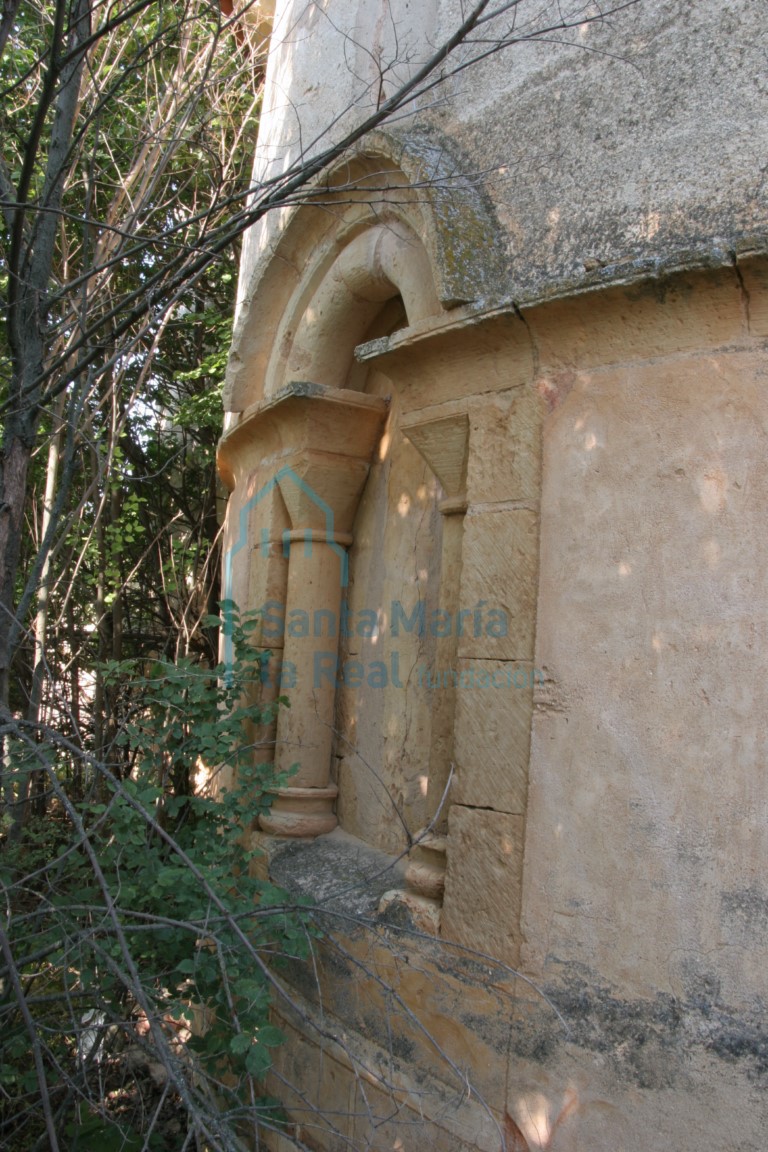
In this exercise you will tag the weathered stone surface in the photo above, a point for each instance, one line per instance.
(599, 163)
(342, 874)
(610, 166)
(265, 521)
(300, 811)
(303, 1072)
(499, 574)
(681, 314)
(385, 1123)
(754, 283)
(647, 789)
(648, 584)
(383, 1108)
(405, 907)
(383, 719)
(443, 442)
(421, 1004)
(497, 355)
(481, 908)
(505, 460)
(494, 703)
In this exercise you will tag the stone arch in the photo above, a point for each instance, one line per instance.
(395, 222)
(399, 217)
(379, 264)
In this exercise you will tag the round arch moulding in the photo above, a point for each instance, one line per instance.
(399, 216)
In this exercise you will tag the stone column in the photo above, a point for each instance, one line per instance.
(318, 443)
(443, 443)
(317, 569)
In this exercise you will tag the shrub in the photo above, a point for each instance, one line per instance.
(134, 986)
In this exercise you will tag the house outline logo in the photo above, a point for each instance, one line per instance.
(286, 472)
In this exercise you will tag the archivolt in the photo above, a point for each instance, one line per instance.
(380, 263)
(392, 221)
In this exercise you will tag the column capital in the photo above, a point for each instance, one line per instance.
(333, 428)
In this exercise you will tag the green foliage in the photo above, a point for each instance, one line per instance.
(127, 368)
(139, 928)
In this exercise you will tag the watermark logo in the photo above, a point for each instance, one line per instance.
(284, 475)
(322, 662)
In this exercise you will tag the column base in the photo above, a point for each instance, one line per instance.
(425, 874)
(301, 812)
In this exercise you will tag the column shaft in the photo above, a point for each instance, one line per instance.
(316, 573)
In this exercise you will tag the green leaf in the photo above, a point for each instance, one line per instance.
(240, 1043)
(270, 1036)
(168, 877)
(258, 1061)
